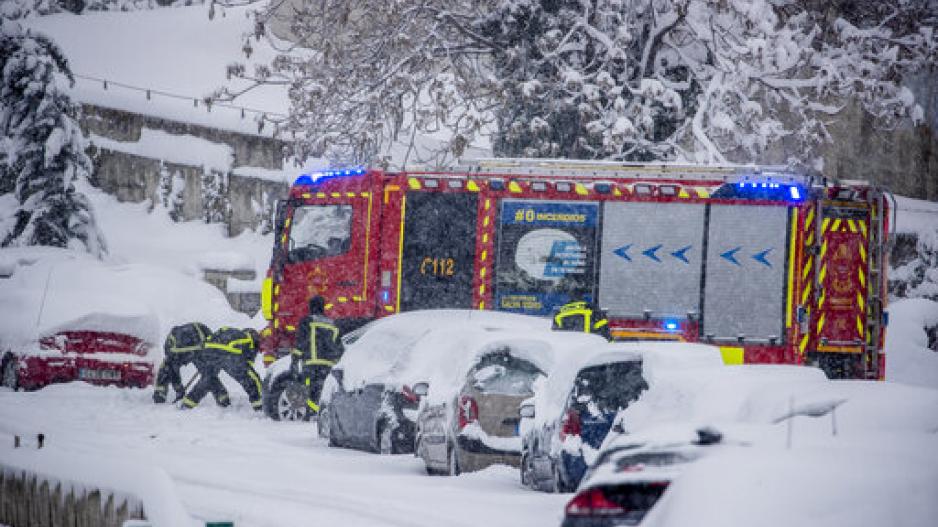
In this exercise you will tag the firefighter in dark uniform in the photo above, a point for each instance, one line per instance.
(231, 350)
(317, 349)
(581, 316)
(182, 345)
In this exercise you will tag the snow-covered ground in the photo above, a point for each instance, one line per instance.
(231, 464)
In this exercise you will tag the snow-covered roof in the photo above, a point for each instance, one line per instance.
(179, 54)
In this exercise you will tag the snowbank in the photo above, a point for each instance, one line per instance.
(762, 394)
(152, 486)
(908, 360)
(891, 484)
(142, 233)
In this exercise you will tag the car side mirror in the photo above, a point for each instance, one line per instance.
(421, 389)
(618, 428)
(526, 411)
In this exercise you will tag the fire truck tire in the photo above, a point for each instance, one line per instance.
(8, 378)
(285, 398)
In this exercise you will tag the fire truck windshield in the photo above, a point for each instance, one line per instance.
(320, 231)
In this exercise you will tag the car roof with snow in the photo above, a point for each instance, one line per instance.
(541, 347)
(410, 347)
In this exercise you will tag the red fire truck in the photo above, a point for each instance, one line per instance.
(770, 265)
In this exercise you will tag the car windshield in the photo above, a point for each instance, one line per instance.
(608, 388)
(320, 231)
(501, 373)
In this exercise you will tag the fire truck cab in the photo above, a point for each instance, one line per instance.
(770, 265)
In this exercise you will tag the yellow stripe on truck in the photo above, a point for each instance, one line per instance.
(732, 355)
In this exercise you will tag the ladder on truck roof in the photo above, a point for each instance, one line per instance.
(573, 168)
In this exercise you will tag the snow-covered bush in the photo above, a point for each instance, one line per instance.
(42, 149)
(698, 80)
(172, 185)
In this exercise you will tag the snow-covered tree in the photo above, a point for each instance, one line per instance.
(43, 150)
(703, 80)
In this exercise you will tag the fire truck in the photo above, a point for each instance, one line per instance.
(771, 265)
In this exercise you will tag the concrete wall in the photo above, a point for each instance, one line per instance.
(241, 203)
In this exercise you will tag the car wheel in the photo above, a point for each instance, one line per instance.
(385, 440)
(558, 484)
(8, 376)
(285, 400)
(324, 424)
(452, 463)
(525, 477)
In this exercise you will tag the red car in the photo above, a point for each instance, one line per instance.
(97, 357)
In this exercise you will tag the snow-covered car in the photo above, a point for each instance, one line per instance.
(367, 401)
(97, 349)
(476, 424)
(555, 452)
(632, 472)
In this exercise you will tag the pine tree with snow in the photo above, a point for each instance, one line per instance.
(44, 149)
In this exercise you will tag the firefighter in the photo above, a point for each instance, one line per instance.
(231, 350)
(182, 345)
(582, 316)
(317, 349)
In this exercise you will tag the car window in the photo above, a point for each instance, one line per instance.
(320, 231)
(608, 388)
(501, 373)
(654, 459)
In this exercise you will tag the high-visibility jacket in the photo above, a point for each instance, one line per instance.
(233, 340)
(317, 341)
(186, 338)
(579, 316)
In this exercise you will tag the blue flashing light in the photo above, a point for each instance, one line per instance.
(316, 177)
(671, 326)
(768, 190)
(385, 296)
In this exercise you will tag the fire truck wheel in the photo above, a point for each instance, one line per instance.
(285, 399)
(8, 372)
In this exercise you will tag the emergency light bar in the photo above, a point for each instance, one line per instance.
(761, 190)
(315, 177)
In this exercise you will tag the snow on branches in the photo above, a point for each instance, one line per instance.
(700, 80)
(42, 150)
